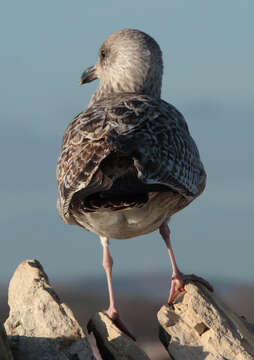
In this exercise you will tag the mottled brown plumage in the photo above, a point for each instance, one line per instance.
(128, 132)
(128, 162)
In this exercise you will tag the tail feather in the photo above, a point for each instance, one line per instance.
(127, 189)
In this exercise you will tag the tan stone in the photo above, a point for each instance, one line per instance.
(199, 327)
(112, 342)
(39, 325)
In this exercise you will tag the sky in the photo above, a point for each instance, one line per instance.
(208, 75)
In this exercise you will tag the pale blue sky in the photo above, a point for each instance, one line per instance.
(208, 57)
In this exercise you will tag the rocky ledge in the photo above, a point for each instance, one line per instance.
(41, 326)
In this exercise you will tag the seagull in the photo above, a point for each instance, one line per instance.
(128, 162)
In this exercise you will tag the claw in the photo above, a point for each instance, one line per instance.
(120, 325)
(178, 282)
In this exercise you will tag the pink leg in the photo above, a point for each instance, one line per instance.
(107, 263)
(112, 311)
(178, 279)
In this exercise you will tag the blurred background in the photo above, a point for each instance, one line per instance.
(208, 75)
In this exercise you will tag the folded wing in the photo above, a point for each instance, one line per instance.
(149, 131)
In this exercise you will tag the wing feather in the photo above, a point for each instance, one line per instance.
(150, 131)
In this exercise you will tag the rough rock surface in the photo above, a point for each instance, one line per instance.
(40, 326)
(112, 343)
(199, 327)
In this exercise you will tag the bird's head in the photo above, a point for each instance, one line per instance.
(129, 61)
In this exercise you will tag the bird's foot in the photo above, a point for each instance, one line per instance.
(113, 314)
(178, 282)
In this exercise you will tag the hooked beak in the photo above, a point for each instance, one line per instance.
(88, 75)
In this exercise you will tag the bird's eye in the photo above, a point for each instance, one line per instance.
(103, 53)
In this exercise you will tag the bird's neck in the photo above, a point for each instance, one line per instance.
(106, 90)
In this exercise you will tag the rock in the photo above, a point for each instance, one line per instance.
(39, 325)
(199, 327)
(5, 352)
(112, 343)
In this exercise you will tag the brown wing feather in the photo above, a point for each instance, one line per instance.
(79, 161)
(149, 131)
(159, 142)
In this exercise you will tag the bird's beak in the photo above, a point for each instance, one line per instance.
(88, 75)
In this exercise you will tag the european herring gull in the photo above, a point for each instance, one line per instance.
(128, 162)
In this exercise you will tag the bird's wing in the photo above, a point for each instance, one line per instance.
(156, 136)
(150, 131)
(83, 149)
